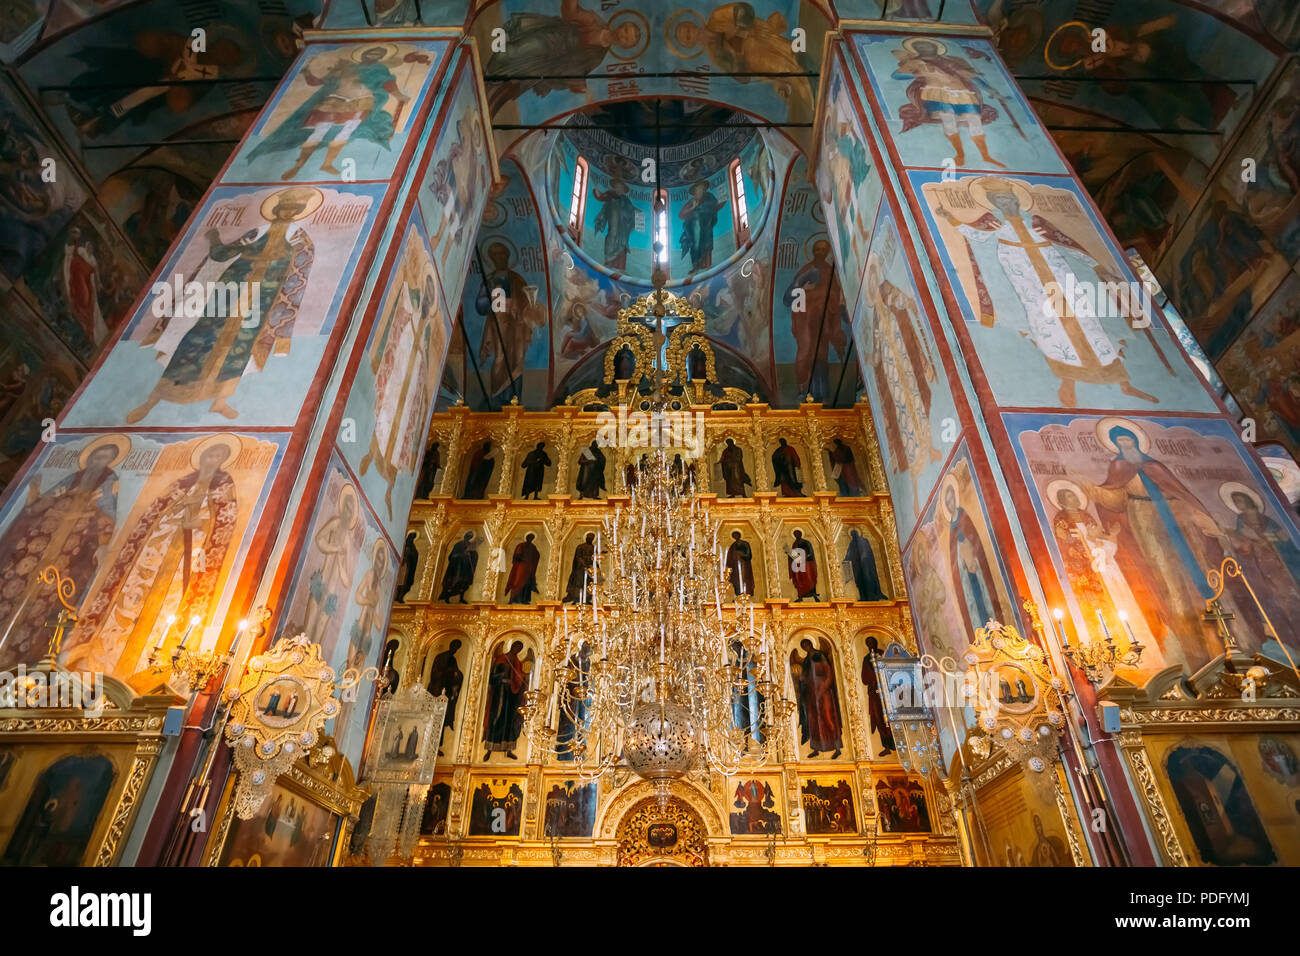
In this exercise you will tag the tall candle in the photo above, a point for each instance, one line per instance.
(162, 636)
(1104, 629)
(1058, 614)
(194, 622)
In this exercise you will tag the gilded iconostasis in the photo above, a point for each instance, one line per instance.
(331, 334)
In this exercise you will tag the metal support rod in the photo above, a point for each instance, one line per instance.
(501, 340)
(844, 367)
(812, 372)
(164, 142)
(206, 81)
(671, 74)
(749, 124)
(1130, 79)
(1156, 131)
(487, 399)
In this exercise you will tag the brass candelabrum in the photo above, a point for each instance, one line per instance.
(1096, 658)
(194, 666)
(651, 673)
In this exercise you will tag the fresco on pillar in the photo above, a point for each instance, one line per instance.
(1262, 367)
(849, 185)
(911, 403)
(121, 91)
(37, 377)
(522, 40)
(262, 274)
(341, 593)
(149, 528)
(954, 569)
(956, 578)
(389, 402)
(1055, 314)
(506, 313)
(457, 179)
(345, 115)
(950, 102)
(809, 357)
(1137, 510)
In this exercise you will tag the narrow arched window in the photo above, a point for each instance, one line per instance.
(578, 201)
(739, 210)
(661, 225)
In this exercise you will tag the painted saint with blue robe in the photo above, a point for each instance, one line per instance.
(971, 570)
(574, 715)
(746, 702)
(1166, 541)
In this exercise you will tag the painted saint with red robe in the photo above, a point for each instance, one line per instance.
(817, 697)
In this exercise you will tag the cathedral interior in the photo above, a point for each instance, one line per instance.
(569, 433)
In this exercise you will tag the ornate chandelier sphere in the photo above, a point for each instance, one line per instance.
(660, 742)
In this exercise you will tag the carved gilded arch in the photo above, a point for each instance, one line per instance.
(633, 794)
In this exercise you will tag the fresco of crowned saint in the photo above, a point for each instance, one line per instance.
(212, 356)
(249, 346)
(943, 96)
(1042, 285)
(347, 104)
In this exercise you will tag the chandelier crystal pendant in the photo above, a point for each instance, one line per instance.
(653, 673)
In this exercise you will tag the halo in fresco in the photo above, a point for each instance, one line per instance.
(1106, 425)
(121, 444)
(230, 443)
(1229, 489)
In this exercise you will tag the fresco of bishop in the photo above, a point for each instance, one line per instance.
(1036, 257)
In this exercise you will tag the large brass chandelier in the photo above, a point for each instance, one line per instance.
(661, 670)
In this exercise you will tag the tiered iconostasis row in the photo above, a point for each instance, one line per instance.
(472, 612)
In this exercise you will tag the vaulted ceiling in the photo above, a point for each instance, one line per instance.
(1157, 126)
